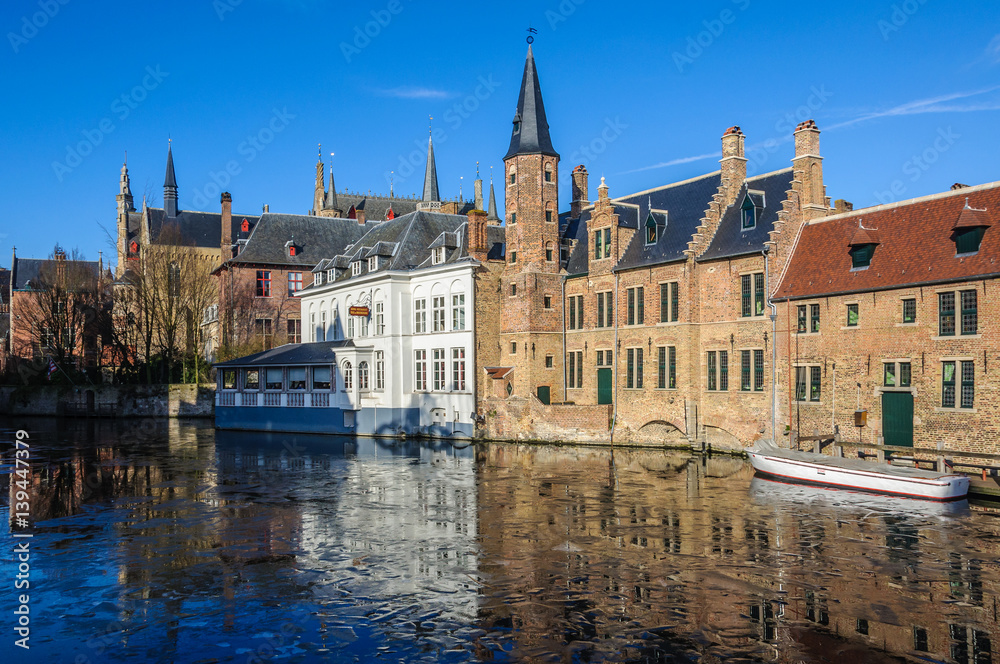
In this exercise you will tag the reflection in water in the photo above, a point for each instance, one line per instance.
(174, 542)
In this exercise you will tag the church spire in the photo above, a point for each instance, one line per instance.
(530, 134)
(170, 184)
(125, 188)
(319, 190)
(430, 175)
(331, 194)
(492, 212)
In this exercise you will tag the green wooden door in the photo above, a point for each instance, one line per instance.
(543, 394)
(897, 418)
(604, 386)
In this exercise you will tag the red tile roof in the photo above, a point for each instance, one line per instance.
(916, 246)
(973, 218)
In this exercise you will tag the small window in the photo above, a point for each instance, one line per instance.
(967, 240)
(814, 318)
(547, 301)
(548, 362)
(548, 215)
(437, 256)
(549, 254)
(513, 290)
(513, 174)
(348, 372)
(513, 347)
(749, 214)
(356, 268)
(852, 315)
(970, 318)
(650, 229)
(513, 257)
(861, 255)
(291, 250)
(548, 173)
(910, 310)
(252, 380)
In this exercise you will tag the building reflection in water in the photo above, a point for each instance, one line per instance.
(653, 556)
(175, 542)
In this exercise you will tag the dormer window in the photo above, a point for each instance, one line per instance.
(861, 255)
(748, 213)
(291, 250)
(650, 229)
(373, 263)
(318, 279)
(517, 123)
(133, 247)
(969, 229)
(245, 226)
(863, 246)
(330, 275)
(437, 256)
(967, 240)
(355, 268)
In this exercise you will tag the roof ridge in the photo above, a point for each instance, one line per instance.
(910, 201)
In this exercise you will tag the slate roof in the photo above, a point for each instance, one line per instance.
(730, 239)
(315, 238)
(320, 352)
(532, 136)
(916, 246)
(29, 269)
(203, 228)
(411, 236)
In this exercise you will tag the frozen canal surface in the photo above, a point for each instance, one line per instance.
(158, 542)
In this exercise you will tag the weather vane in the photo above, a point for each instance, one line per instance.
(532, 32)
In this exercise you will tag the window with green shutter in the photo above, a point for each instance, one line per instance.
(746, 295)
(723, 370)
(758, 294)
(672, 367)
(758, 370)
(711, 370)
(745, 370)
(967, 240)
(861, 255)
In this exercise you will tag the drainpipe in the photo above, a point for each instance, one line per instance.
(614, 412)
(774, 346)
(565, 393)
(474, 355)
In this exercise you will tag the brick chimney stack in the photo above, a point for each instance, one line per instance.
(808, 169)
(227, 226)
(579, 192)
(733, 163)
(477, 235)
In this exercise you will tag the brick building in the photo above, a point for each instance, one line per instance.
(892, 310)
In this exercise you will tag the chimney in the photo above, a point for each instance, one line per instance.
(579, 191)
(808, 169)
(361, 216)
(477, 234)
(733, 164)
(227, 226)
(840, 205)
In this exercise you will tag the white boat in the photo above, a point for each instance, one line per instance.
(856, 474)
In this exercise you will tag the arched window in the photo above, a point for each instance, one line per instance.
(513, 175)
(549, 251)
(548, 172)
(550, 216)
(362, 375)
(348, 375)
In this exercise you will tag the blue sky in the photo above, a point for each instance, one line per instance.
(907, 95)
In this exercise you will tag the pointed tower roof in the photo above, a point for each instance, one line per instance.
(331, 194)
(492, 212)
(531, 129)
(430, 175)
(171, 179)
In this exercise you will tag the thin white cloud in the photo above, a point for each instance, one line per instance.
(930, 105)
(415, 92)
(675, 162)
(992, 53)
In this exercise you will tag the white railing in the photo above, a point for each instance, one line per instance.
(272, 398)
(296, 400)
(320, 399)
(249, 398)
(289, 399)
(227, 398)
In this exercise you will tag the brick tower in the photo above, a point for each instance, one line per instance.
(531, 324)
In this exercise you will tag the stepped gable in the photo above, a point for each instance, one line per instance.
(315, 238)
(916, 246)
(730, 239)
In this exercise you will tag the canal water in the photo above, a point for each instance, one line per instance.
(172, 542)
